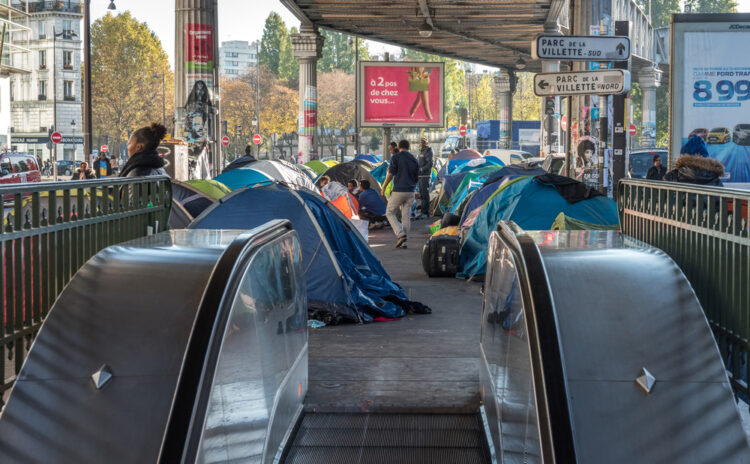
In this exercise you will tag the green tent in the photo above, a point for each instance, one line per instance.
(563, 222)
(211, 188)
(318, 166)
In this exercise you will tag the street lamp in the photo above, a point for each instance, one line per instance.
(355, 43)
(163, 99)
(87, 132)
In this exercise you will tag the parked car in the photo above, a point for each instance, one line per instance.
(554, 164)
(701, 132)
(509, 156)
(640, 161)
(741, 134)
(66, 167)
(18, 168)
(719, 135)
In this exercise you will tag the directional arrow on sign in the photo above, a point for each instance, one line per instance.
(620, 48)
(543, 85)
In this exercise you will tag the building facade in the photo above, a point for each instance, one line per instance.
(236, 57)
(14, 28)
(52, 90)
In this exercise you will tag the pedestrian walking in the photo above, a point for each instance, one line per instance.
(425, 174)
(102, 166)
(657, 171)
(83, 172)
(404, 172)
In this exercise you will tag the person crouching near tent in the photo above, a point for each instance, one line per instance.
(404, 172)
(371, 207)
(323, 181)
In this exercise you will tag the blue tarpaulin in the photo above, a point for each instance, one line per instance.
(344, 278)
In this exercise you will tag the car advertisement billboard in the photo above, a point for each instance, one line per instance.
(711, 88)
(401, 94)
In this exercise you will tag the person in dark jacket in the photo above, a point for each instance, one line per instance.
(371, 207)
(83, 173)
(143, 159)
(695, 146)
(657, 171)
(695, 169)
(404, 172)
(102, 166)
(424, 160)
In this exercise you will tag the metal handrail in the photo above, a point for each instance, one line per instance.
(49, 230)
(706, 231)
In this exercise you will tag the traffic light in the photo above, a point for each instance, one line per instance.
(49, 137)
(549, 106)
(224, 128)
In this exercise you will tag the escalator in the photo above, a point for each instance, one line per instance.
(388, 438)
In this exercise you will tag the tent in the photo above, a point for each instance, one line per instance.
(369, 158)
(364, 163)
(345, 281)
(317, 166)
(240, 162)
(472, 180)
(533, 203)
(380, 171)
(459, 159)
(281, 172)
(330, 163)
(478, 163)
(191, 198)
(340, 197)
(243, 177)
(344, 172)
(301, 168)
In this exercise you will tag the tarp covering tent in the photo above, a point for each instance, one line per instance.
(380, 171)
(344, 172)
(243, 177)
(282, 172)
(478, 163)
(317, 166)
(344, 278)
(459, 159)
(340, 197)
(240, 162)
(533, 204)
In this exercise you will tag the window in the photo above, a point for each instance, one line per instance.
(42, 30)
(69, 154)
(67, 59)
(42, 90)
(232, 54)
(68, 94)
(67, 29)
(42, 59)
(12, 91)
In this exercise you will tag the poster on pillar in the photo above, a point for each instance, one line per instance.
(401, 94)
(711, 89)
(199, 66)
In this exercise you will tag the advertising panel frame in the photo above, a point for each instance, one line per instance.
(679, 73)
(362, 90)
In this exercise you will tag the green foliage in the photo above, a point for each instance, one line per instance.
(714, 6)
(661, 10)
(526, 105)
(374, 142)
(125, 56)
(275, 43)
(288, 66)
(338, 53)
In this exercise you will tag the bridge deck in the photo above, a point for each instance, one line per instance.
(420, 363)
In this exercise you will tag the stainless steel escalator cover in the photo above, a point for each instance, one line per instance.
(131, 308)
(621, 306)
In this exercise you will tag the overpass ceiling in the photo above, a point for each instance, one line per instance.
(489, 32)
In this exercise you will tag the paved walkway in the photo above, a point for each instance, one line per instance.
(420, 363)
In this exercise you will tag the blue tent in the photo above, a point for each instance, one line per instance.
(478, 163)
(242, 177)
(344, 278)
(532, 205)
(371, 158)
(494, 180)
(379, 172)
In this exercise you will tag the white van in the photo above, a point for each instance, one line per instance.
(508, 156)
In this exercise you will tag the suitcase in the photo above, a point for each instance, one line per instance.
(440, 256)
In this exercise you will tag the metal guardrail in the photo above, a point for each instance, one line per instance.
(49, 231)
(705, 230)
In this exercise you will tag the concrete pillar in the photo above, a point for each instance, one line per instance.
(648, 79)
(308, 48)
(196, 77)
(550, 136)
(505, 102)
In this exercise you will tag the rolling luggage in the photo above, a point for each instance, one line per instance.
(440, 256)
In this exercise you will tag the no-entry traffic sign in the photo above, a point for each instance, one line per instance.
(225, 141)
(581, 48)
(256, 139)
(104, 149)
(601, 82)
(462, 131)
(564, 123)
(632, 130)
(56, 137)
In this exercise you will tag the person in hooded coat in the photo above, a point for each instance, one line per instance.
(695, 169)
(143, 159)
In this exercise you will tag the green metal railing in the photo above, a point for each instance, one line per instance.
(50, 230)
(705, 230)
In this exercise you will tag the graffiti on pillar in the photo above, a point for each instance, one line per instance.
(308, 125)
(587, 160)
(198, 114)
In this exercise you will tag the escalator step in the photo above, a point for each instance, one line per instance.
(388, 438)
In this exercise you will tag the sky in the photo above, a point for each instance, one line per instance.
(238, 19)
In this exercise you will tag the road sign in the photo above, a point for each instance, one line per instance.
(225, 141)
(56, 137)
(564, 123)
(601, 82)
(256, 139)
(462, 131)
(632, 130)
(104, 149)
(581, 48)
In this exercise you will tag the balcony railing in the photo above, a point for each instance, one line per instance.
(36, 6)
(705, 230)
(50, 230)
(42, 97)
